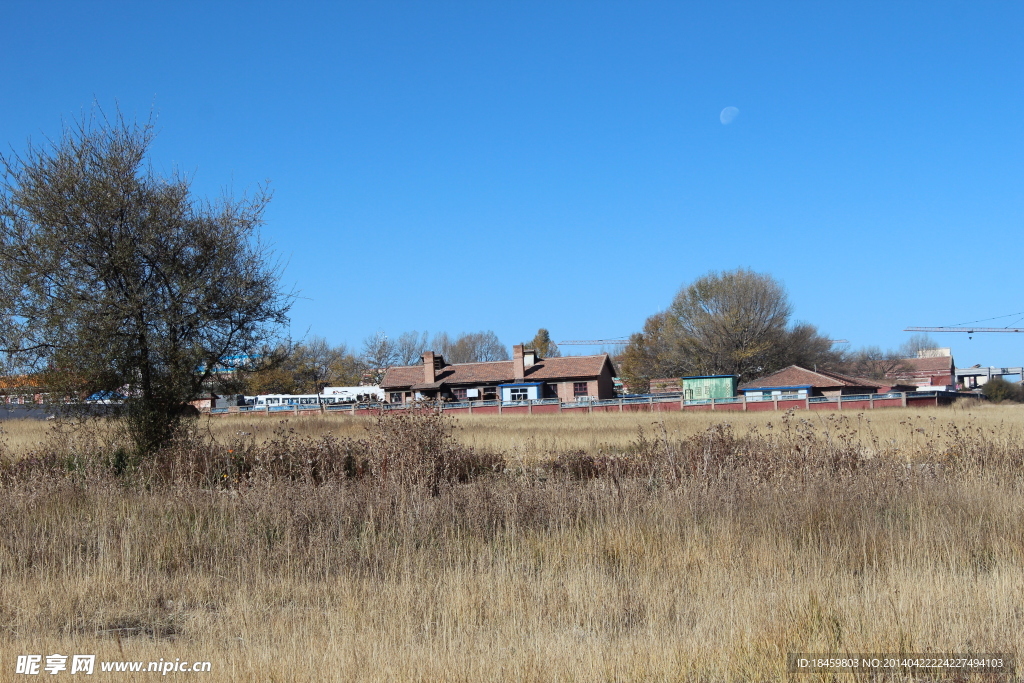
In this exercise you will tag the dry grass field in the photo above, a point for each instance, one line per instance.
(517, 548)
(539, 435)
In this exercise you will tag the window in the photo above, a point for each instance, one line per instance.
(396, 397)
(460, 394)
(579, 389)
(518, 394)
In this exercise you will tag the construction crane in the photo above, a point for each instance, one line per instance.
(968, 330)
(600, 342)
(966, 327)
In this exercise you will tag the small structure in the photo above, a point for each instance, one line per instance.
(696, 387)
(359, 394)
(803, 383)
(526, 377)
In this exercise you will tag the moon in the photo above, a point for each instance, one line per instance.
(728, 115)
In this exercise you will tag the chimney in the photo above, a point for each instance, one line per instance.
(428, 367)
(529, 358)
(518, 369)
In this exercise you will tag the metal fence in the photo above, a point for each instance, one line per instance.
(589, 404)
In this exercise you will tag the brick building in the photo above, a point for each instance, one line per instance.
(803, 382)
(526, 377)
(927, 370)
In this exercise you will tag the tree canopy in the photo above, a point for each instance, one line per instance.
(115, 278)
(305, 367)
(731, 323)
(544, 345)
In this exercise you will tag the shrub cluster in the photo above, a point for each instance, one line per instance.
(419, 449)
(411, 448)
(998, 389)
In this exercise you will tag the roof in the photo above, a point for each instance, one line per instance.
(937, 365)
(20, 382)
(796, 376)
(497, 372)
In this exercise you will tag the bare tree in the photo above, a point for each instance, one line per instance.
(379, 354)
(916, 344)
(347, 369)
(443, 344)
(315, 362)
(410, 346)
(649, 354)
(874, 363)
(113, 278)
(304, 368)
(475, 347)
(804, 345)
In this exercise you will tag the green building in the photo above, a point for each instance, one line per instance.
(709, 386)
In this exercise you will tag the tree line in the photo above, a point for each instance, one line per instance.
(740, 322)
(306, 367)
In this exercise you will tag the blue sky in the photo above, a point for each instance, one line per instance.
(494, 165)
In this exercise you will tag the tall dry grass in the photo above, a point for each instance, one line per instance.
(539, 435)
(399, 553)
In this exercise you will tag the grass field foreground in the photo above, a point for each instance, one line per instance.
(694, 552)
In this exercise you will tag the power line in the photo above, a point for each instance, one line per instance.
(983, 320)
(968, 330)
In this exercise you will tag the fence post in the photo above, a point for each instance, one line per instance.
(903, 399)
(775, 402)
(529, 408)
(712, 404)
(744, 403)
(839, 400)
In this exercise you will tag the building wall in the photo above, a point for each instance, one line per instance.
(708, 387)
(532, 392)
(597, 387)
(602, 387)
(666, 385)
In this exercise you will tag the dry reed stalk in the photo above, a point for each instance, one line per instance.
(686, 556)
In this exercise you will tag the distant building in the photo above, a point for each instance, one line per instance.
(526, 377)
(977, 376)
(802, 382)
(20, 389)
(932, 367)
